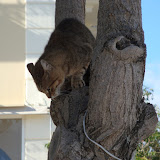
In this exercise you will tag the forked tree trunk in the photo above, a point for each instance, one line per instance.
(117, 116)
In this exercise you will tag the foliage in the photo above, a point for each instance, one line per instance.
(47, 145)
(147, 93)
(149, 149)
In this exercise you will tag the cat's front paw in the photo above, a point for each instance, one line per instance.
(77, 83)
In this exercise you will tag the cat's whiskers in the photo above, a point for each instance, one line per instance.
(53, 98)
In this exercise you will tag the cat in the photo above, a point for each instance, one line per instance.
(67, 54)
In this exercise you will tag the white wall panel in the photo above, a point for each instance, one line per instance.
(36, 150)
(37, 127)
(34, 97)
(36, 40)
(40, 15)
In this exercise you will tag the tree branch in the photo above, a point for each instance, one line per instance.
(70, 133)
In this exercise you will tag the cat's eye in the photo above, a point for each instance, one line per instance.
(49, 90)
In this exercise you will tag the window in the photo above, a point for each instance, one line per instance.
(10, 139)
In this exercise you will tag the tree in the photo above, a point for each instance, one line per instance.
(117, 116)
(149, 148)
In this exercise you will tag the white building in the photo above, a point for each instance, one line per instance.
(25, 124)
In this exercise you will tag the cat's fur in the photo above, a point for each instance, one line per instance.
(68, 53)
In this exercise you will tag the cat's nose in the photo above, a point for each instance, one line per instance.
(49, 96)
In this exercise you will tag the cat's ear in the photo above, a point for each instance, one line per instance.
(30, 67)
(46, 66)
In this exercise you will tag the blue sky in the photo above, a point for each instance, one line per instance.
(151, 27)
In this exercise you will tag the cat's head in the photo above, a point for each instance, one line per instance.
(47, 77)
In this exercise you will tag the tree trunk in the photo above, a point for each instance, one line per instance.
(70, 9)
(117, 117)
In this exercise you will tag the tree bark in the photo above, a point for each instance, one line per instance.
(70, 9)
(117, 117)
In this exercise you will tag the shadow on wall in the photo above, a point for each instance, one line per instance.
(12, 31)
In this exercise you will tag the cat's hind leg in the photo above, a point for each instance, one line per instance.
(77, 79)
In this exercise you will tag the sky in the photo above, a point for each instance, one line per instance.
(151, 27)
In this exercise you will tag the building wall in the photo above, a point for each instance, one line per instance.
(37, 134)
(91, 15)
(23, 137)
(25, 124)
(12, 52)
(40, 23)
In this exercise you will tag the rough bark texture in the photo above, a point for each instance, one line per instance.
(70, 9)
(117, 116)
